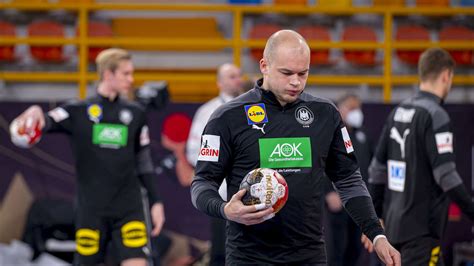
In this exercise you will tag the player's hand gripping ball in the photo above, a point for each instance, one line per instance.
(267, 186)
(23, 139)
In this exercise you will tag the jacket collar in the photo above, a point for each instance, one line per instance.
(270, 98)
(430, 96)
(102, 98)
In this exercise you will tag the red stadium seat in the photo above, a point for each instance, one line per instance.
(97, 29)
(316, 33)
(261, 32)
(459, 33)
(411, 33)
(359, 33)
(7, 52)
(46, 28)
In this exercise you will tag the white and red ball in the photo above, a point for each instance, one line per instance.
(266, 186)
(23, 138)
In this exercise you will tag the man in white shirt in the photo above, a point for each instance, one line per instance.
(229, 82)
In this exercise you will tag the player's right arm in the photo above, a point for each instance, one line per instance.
(30, 118)
(212, 166)
(25, 130)
(33, 118)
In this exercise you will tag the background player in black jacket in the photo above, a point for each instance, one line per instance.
(110, 142)
(246, 133)
(415, 161)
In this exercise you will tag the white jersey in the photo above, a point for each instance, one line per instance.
(200, 119)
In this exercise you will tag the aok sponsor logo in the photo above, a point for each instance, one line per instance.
(110, 134)
(256, 113)
(285, 152)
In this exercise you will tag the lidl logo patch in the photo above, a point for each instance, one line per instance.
(94, 111)
(110, 135)
(256, 113)
(277, 153)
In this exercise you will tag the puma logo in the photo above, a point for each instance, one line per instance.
(259, 128)
(395, 135)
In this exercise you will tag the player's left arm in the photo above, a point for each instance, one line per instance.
(343, 170)
(439, 144)
(147, 176)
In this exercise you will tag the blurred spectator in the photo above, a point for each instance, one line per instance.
(229, 81)
(343, 241)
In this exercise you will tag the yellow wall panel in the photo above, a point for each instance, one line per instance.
(166, 28)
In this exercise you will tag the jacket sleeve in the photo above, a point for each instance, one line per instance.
(342, 169)
(61, 118)
(144, 163)
(213, 163)
(439, 144)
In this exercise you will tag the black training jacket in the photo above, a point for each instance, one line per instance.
(304, 141)
(414, 160)
(110, 145)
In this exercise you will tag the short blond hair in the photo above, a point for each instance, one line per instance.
(109, 59)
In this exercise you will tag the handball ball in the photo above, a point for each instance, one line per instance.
(23, 139)
(267, 186)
